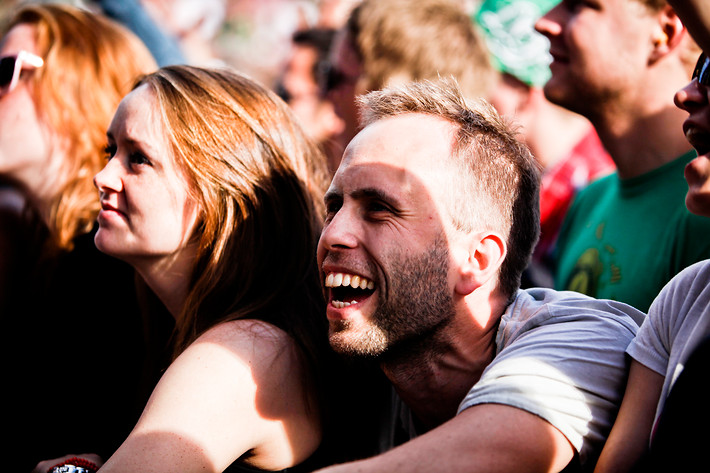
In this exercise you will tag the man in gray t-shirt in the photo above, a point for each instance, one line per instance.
(430, 220)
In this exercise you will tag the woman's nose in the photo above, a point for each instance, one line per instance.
(109, 179)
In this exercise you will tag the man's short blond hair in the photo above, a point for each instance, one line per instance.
(495, 179)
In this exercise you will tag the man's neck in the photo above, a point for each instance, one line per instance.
(433, 378)
(643, 143)
(641, 128)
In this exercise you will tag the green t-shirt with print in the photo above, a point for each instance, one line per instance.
(625, 239)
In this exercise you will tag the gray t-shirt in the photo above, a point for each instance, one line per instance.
(559, 355)
(677, 322)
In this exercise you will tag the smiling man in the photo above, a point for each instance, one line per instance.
(431, 218)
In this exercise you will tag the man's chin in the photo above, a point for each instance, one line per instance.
(349, 342)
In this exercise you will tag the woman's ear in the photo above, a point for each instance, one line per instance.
(486, 253)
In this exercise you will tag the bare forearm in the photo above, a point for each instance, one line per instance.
(629, 437)
(487, 438)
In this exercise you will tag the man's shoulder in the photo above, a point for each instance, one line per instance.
(682, 293)
(536, 308)
(561, 356)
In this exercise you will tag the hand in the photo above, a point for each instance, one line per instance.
(44, 466)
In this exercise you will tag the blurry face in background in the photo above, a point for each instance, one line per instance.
(316, 114)
(24, 140)
(694, 98)
(147, 214)
(345, 72)
(600, 51)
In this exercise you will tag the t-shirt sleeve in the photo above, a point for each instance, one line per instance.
(571, 374)
(683, 298)
(652, 345)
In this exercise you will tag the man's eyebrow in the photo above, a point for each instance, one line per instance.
(372, 193)
(332, 195)
(367, 193)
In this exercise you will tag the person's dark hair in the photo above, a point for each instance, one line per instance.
(320, 39)
(495, 179)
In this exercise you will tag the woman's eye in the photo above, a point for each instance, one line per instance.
(139, 159)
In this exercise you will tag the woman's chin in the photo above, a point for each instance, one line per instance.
(106, 244)
(698, 201)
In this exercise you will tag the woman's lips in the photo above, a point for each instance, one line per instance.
(109, 211)
(697, 137)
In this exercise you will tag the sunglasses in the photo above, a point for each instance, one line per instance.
(330, 77)
(11, 67)
(702, 70)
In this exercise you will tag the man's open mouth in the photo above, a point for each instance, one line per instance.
(348, 289)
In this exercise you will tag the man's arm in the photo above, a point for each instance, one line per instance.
(491, 438)
(695, 15)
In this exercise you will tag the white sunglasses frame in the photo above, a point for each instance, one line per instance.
(22, 57)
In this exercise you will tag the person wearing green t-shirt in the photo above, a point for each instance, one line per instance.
(619, 63)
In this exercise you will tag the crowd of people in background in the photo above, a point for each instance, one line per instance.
(355, 235)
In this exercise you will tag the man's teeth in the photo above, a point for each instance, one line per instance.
(340, 304)
(352, 280)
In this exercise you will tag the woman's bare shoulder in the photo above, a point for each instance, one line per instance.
(248, 337)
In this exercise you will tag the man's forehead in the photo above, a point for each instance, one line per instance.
(401, 155)
(409, 141)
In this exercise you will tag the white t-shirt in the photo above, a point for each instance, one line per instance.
(559, 355)
(677, 322)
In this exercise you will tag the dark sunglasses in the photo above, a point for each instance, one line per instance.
(702, 70)
(11, 67)
(330, 78)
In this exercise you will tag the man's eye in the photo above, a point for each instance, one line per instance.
(109, 151)
(331, 209)
(378, 207)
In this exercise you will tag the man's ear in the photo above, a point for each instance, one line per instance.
(486, 253)
(668, 34)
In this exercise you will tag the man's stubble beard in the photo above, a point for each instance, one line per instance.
(412, 318)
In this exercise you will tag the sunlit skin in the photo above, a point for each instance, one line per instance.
(375, 210)
(230, 381)
(694, 98)
(602, 50)
(146, 212)
(389, 205)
